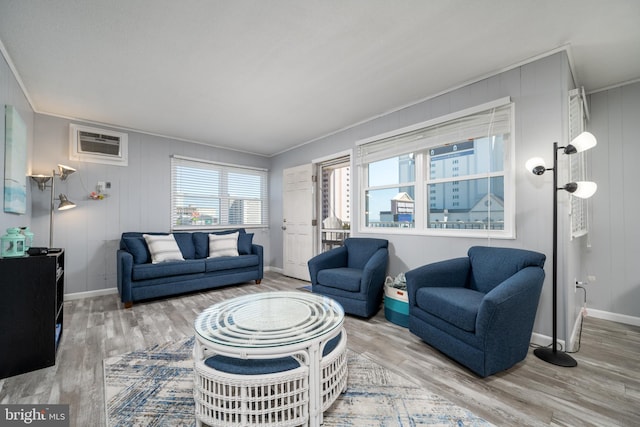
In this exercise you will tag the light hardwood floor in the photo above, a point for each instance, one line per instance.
(604, 390)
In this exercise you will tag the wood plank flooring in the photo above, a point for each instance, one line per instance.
(604, 390)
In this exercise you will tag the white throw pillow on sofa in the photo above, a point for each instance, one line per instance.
(163, 248)
(223, 245)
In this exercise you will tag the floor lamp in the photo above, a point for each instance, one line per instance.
(582, 189)
(65, 203)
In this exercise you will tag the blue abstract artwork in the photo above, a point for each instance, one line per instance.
(15, 162)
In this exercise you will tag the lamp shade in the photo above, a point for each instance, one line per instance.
(536, 165)
(65, 171)
(585, 189)
(65, 203)
(582, 189)
(41, 180)
(580, 143)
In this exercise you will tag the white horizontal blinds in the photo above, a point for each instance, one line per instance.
(493, 121)
(246, 196)
(195, 197)
(206, 194)
(577, 165)
(341, 161)
(389, 147)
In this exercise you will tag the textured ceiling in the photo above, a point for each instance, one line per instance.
(264, 76)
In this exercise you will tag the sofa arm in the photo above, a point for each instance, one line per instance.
(443, 274)
(335, 258)
(259, 250)
(125, 271)
(507, 312)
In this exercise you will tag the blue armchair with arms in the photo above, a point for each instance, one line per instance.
(352, 274)
(479, 310)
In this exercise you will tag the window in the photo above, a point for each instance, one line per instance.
(452, 175)
(334, 175)
(578, 164)
(390, 192)
(209, 195)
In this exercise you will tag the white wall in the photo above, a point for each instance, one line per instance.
(615, 237)
(138, 199)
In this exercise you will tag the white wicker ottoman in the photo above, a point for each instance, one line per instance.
(264, 328)
(333, 368)
(232, 392)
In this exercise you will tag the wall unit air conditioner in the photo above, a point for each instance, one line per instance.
(88, 144)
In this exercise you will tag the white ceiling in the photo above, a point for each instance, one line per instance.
(264, 76)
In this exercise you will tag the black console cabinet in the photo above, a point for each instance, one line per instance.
(31, 314)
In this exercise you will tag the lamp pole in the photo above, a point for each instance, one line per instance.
(553, 355)
(51, 208)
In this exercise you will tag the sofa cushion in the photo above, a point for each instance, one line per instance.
(137, 247)
(458, 306)
(331, 345)
(185, 243)
(231, 262)
(223, 245)
(232, 365)
(361, 249)
(167, 269)
(163, 248)
(491, 266)
(245, 240)
(201, 241)
(201, 244)
(344, 278)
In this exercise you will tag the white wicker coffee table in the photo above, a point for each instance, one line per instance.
(268, 326)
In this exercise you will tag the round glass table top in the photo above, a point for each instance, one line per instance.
(269, 319)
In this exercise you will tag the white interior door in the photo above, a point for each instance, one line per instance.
(297, 222)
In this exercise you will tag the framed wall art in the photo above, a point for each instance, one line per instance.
(15, 162)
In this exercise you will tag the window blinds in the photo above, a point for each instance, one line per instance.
(445, 130)
(206, 194)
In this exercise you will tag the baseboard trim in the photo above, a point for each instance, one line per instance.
(614, 317)
(544, 340)
(90, 294)
(577, 327)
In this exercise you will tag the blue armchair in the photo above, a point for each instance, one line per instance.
(479, 310)
(352, 274)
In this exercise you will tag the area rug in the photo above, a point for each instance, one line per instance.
(153, 387)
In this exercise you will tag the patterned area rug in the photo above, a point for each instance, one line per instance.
(153, 387)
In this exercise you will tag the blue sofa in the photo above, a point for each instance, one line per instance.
(479, 310)
(140, 279)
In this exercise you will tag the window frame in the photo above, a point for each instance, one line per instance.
(422, 173)
(222, 195)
